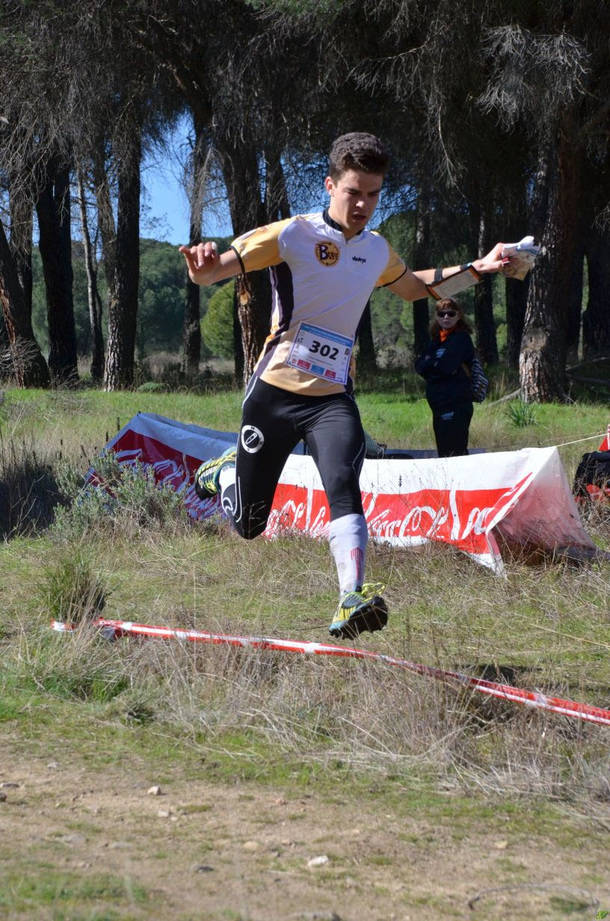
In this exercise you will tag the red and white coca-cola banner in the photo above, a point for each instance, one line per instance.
(522, 497)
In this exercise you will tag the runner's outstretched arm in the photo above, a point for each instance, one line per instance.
(205, 266)
(412, 285)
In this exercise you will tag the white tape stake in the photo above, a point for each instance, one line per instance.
(534, 699)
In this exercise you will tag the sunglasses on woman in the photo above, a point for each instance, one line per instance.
(446, 313)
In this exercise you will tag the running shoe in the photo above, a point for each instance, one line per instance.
(206, 478)
(358, 611)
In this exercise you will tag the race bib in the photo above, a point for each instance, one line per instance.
(322, 353)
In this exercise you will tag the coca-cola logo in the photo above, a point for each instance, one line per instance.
(458, 516)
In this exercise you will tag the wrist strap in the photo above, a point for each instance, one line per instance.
(438, 274)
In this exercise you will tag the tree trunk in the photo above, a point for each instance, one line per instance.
(487, 343)
(276, 194)
(366, 346)
(574, 304)
(25, 360)
(93, 298)
(21, 212)
(252, 292)
(515, 290)
(238, 344)
(106, 224)
(421, 256)
(53, 210)
(485, 326)
(253, 302)
(596, 318)
(191, 330)
(542, 361)
(105, 216)
(516, 301)
(123, 302)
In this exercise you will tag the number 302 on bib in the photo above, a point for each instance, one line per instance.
(321, 352)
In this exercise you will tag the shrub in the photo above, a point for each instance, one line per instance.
(521, 414)
(72, 591)
(217, 324)
(128, 500)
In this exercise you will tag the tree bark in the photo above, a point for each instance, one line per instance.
(485, 326)
(21, 211)
(515, 291)
(53, 210)
(25, 360)
(123, 301)
(574, 303)
(277, 205)
(191, 330)
(252, 292)
(93, 297)
(543, 356)
(487, 343)
(367, 363)
(421, 256)
(596, 318)
(238, 343)
(253, 303)
(516, 301)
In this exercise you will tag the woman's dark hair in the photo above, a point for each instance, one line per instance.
(358, 150)
(462, 322)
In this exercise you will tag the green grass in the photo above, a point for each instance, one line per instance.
(94, 416)
(391, 416)
(74, 426)
(346, 731)
(22, 891)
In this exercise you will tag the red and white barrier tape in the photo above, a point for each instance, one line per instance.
(117, 628)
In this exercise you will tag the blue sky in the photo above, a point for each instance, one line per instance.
(165, 202)
(165, 207)
(164, 199)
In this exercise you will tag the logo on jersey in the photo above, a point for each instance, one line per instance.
(327, 253)
(252, 439)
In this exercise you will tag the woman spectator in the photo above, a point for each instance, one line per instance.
(445, 367)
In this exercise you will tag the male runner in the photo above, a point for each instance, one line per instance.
(324, 267)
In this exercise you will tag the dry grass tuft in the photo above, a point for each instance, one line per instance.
(29, 489)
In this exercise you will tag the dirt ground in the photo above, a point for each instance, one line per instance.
(191, 850)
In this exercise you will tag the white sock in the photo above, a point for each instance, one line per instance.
(348, 536)
(226, 487)
(226, 477)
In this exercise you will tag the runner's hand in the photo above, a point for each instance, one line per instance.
(201, 260)
(490, 263)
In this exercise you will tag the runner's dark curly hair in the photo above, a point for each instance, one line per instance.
(358, 150)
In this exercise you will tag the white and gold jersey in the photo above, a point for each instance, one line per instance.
(321, 283)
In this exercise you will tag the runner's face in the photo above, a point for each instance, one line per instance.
(353, 198)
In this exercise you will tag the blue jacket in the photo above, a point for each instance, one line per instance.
(447, 383)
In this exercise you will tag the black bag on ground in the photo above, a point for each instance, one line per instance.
(592, 478)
